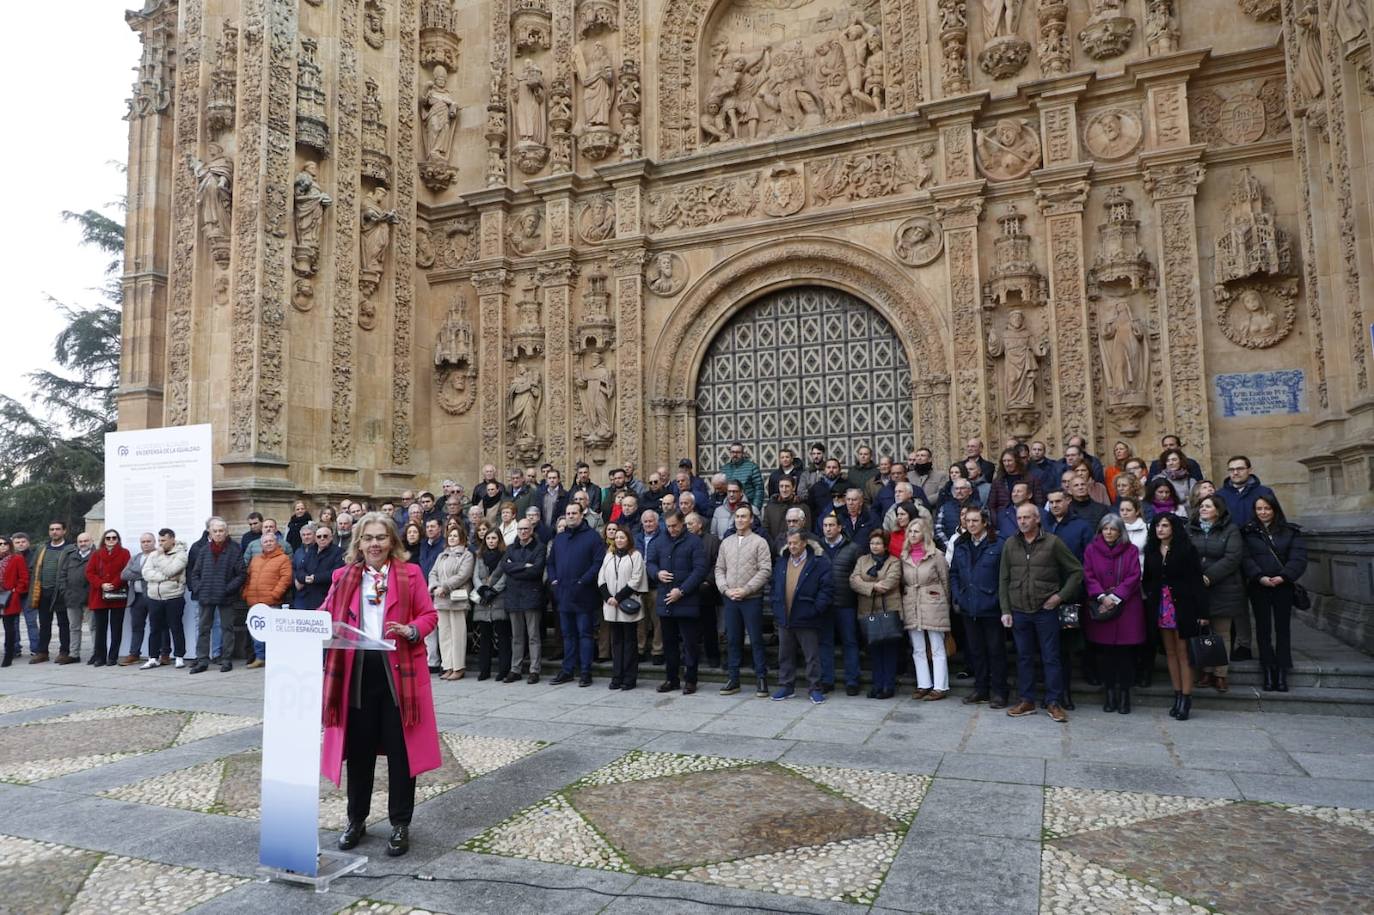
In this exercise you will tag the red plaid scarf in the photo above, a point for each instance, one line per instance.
(334, 661)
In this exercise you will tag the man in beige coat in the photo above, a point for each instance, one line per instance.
(743, 566)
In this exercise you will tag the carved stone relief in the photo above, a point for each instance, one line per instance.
(1260, 315)
(954, 73)
(374, 23)
(530, 103)
(312, 124)
(1251, 244)
(1004, 52)
(1124, 344)
(219, 107)
(918, 241)
(595, 72)
(455, 362)
(440, 45)
(214, 199)
(1008, 150)
(343, 296)
(1112, 134)
(526, 234)
(596, 219)
(666, 274)
(1245, 114)
(595, 16)
(1014, 278)
(1262, 10)
(1307, 68)
(376, 161)
(1109, 30)
(375, 239)
(1120, 257)
(531, 26)
(455, 242)
(439, 114)
(596, 328)
(784, 190)
(527, 338)
(523, 400)
(1055, 53)
(865, 176)
(310, 204)
(1021, 350)
(691, 206)
(1161, 27)
(425, 252)
(152, 93)
(596, 398)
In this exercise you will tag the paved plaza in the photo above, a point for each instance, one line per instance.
(137, 791)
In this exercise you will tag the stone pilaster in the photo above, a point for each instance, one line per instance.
(1061, 192)
(958, 207)
(491, 310)
(403, 291)
(343, 298)
(556, 278)
(628, 266)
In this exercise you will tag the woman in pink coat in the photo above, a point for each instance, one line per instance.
(377, 701)
(1111, 576)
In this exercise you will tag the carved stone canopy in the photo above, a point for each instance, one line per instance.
(1014, 278)
(439, 41)
(1120, 258)
(527, 339)
(595, 16)
(1251, 244)
(312, 125)
(531, 26)
(219, 106)
(596, 330)
(376, 161)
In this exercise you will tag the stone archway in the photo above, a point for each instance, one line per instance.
(713, 300)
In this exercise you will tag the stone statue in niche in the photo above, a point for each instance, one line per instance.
(310, 204)
(531, 119)
(1109, 30)
(374, 24)
(214, 198)
(522, 403)
(1004, 52)
(596, 75)
(440, 113)
(1350, 20)
(1161, 27)
(377, 221)
(1125, 354)
(596, 384)
(1307, 73)
(1021, 363)
(667, 274)
(1001, 18)
(596, 221)
(918, 241)
(1112, 134)
(1009, 150)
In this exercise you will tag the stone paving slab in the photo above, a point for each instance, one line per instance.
(937, 873)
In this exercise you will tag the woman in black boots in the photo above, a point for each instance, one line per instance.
(1176, 597)
(1275, 558)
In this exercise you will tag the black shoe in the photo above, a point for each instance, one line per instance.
(9, 659)
(851, 689)
(90, 660)
(667, 686)
(1242, 653)
(688, 688)
(998, 702)
(827, 688)
(873, 692)
(399, 843)
(963, 675)
(199, 667)
(1185, 706)
(1281, 679)
(1067, 704)
(532, 679)
(761, 690)
(585, 681)
(887, 694)
(484, 676)
(511, 677)
(1124, 706)
(1178, 702)
(436, 669)
(96, 662)
(658, 660)
(1110, 701)
(628, 685)
(975, 698)
(226, 667)
(1093, 680)
(352, 835)
(1271, 678)
(729, 689)
(561, 677)
(1144, 679)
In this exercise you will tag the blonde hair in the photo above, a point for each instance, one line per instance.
(919, 529)
(398, 548)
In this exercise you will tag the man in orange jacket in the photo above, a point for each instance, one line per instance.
(269, 575)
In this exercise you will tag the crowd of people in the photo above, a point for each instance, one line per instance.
(1086, 564)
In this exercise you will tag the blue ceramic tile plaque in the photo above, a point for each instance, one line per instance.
(1261, 393)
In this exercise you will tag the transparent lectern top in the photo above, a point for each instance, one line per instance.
(346, 636)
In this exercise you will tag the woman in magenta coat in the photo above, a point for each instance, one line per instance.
(107, 613)
(1111, 576)
(379, 701)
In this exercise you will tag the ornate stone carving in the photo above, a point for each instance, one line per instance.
(343, 295)
(1008, 150)
(596, 397)
(214, 199)
(374, 23)
(1350, 21)
(1248, 113)
(454, 242)
(784, 190)
(527, 339)
(865, 176)
(531, 120)
(376, 161)
(628, 104)
(1004, 51)
(403, 282)
(1161, 27)
(495, 129)
(1124, 345)
(596, 219)
(596, 329)
(595, 16)
(1056, 55)
(439, 112)
(1109, 30)
(440, 45)
(954, 74)
(1021, 350)
(219, 106)
(1262, 10)
(310, 204)
(691, 206)
(1120, 257)
(375, 239)
(312, 124)
(918, 241)
(560, 124)
(1307, 68)
(455, 362)
(523, 400)
(1251, 244)
(1181, 317)
(526, 235)
(531, 26)
(1260, 315)
(596, 75)
(152, 92)
(1014, 278)
(425, 252)
(1112, 134)
(1179, 180)
(667, 274)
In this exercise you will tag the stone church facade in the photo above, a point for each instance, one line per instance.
(378, 243)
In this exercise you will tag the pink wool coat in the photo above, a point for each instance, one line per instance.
(422, 739)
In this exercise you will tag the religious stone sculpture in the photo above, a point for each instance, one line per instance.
(596, 16)
(310, 204)
(531, 26)
(1307, 70)
(918, 241)
(1349, 20)
(1112, 134)
(954, 75)
(374, 23)
(526, 235)
(1255, 324)
(1009, 150)
(1109, 30)
(1054, 51)
(377, 221)
(455, 363)
(596, 76)
(1124, 346)
(439, 112)
(523, 400)
(531, 120)
(1004, 51)
(214, 198)
(596, 221)
(1161, 27)
(667, 274)
(1021, 353)
(597, 395)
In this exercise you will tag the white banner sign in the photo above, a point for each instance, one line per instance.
(156, 478)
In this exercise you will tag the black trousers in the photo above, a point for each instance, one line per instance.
(373, 725)
(47, 607)
(165, 620)
(985, 640)
(487, 632)
(102, 622)
(1273, 610)
(12, 635)
(624, 653)
(681, 636)
(710, 639)
(1116, 664)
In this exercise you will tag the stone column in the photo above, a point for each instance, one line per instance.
(958, 208)
(1171, 178)
(160, 189)
(628, 265)
(491, 309)
(557, 278)
(1061, 193)
(403, 244)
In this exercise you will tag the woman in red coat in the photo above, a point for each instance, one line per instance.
(14, 583)
(107, 598)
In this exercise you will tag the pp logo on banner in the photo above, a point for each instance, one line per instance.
(257, 621)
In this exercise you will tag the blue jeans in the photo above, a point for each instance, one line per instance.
(848, 625)
(30, 623)
(883, 657)
(1027, 630)
(741, 616)
(579, 640)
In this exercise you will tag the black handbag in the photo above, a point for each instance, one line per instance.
(883, 626)
(1301, 599)
(630, 605)
(1207, 649)
(1100, 614)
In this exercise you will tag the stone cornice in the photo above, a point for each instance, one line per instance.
(1170, 68)
(563, 184)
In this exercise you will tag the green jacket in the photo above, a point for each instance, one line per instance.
(1031, 572)
(747, 474)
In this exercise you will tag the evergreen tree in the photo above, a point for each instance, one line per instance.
(52, 466)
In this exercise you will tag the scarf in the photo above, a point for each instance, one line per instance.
(877, 567)
(921, 470)
(916, 553)
(342, 603)
(217, 546)
(1205, 525)
(490, 558)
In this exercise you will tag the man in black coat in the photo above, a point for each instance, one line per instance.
(313, 566)
(843, 553)
(677, 563)
(523, 562)
(217, 580)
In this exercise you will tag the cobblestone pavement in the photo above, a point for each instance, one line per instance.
(123, 790)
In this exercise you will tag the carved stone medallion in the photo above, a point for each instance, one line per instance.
(1259, 315)
(918, 241)
(1241, 119)
(784, 190)
(666, 274)
(1112, 134)
(1008, 150)
(424, 249)
(596, 220)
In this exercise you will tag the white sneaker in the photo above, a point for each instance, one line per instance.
(179, 664)
(150, 664)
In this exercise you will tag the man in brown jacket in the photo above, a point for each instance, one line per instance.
(269, 575)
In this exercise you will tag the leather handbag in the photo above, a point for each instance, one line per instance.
(1207, 649)
(115, 594)
(883, 626)
(458, 595)
(630, 605)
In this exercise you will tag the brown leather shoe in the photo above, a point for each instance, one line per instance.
(459, 674)
(66, 659)
(39, 658)
(1021, 708)
(1221, 685)
(1205, 679)
(1057, 713)
(129, 659)
(164, 660)
(920, 692)
(935, 695)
